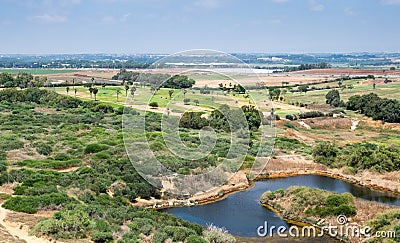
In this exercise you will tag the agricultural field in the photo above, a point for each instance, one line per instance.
(40, 71)
(63, 157)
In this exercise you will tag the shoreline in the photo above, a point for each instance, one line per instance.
(223, 192)
(299, 223)
(330, 174)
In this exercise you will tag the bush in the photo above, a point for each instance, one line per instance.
(159, 237)
(95, 148)
(218, 237)
(43, 149)
(72, 224)
(30, 204)
(153, 104)
(196, 239)
(104, 108)
(291, 117)
(289, 125)
(101, 236)
(131, 237)
(311, 114)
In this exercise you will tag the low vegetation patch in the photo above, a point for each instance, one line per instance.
(302, 202)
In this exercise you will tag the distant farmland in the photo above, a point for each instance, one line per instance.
(39, 71)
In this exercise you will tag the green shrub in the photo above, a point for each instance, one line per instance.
(10, 142)
(43, 149)
(104, 108)
(196, 239)
(289, 125)
(291, 117)
(66, 224)
(61, 156)
(153, 104)
(131, 237)
(141, 225)
(101, 236)
(95, 148)
(30, 204)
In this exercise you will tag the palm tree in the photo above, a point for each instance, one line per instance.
(95, 90)
(118, 93)
(67, 89)
(170, 93)
(126, 89)
(133, 90)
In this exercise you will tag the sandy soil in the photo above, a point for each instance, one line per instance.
(16, 229)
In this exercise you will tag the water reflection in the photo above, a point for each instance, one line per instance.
(241, 213)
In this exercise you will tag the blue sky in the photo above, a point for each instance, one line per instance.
(168, 26)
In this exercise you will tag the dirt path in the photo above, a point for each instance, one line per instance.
(15, 230)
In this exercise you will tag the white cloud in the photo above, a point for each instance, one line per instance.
(125, 17)
(314, 5)
(390, 2)
(349, 12)
(51, 18)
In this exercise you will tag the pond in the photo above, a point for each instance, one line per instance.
(241, 213)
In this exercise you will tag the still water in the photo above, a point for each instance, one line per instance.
(241, 213)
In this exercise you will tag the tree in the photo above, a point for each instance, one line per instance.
(239, 89)
(133, 90)
(170, 92)
(184, 93)
(90, 91)
(95, 91)
(186, 101)
(196, 102)
(126, 89)
(178, 82)
(274, 93)
(374, 86)
(303, 88)
(67, 89)
(118, 93)
(153, 104)
(92, 80)
(75, 90)
(333, 98)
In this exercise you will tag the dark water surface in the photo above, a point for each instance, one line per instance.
(241, 213)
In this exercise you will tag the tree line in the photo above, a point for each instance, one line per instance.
(21, 80)
(155, 80)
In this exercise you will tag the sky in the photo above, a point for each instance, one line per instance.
(169, 26)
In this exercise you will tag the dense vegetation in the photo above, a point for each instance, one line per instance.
(21, 80)
(94, 199)
(148, 79)
(310, 202)
(225, 119)
(359, 156)
(387, 110)
(321, 65)
(386, 222)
